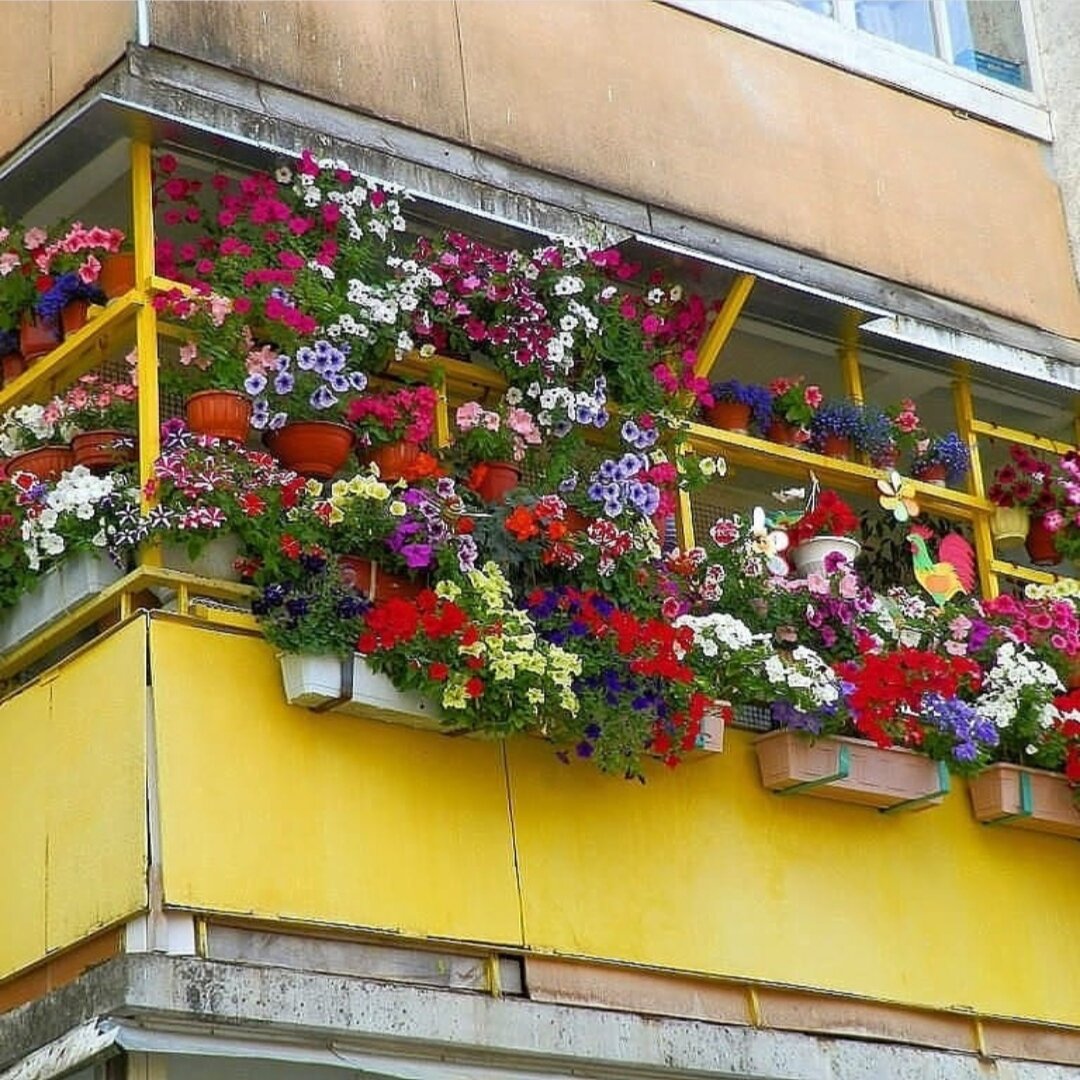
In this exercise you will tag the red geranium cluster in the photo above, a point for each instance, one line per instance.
(885, 691)
(830, 516)
(1024, 481)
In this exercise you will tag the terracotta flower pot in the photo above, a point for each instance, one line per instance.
(37, 337)
(780, 431)
(729, 416)
(494, 480)
(849, 770)
(102, 449)
(220, 414)
(933, 474)
(11, 367)
(575, 521)
(1040, 543)
(315, 448)
(392, 459)
(44, 462)
(74, 316)
(837, 446)
(368, 577)
(117, 274)
(1025, 799)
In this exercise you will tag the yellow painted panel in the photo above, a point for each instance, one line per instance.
(73, 801)
(22, 830)
(702, 870)
(278, 811)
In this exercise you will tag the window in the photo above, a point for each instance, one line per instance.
(973, 55)
(987, 38)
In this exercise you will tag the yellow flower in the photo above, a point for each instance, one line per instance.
(398, 508)
(454, 696)
(447, 590)
(534, 696)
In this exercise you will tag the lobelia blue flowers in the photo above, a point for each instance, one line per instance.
(973, 735)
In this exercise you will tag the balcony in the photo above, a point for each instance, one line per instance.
(167, 798)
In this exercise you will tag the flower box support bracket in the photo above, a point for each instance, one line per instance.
(843, 771)
(346, 693)
(1027, 802)
(944, 787)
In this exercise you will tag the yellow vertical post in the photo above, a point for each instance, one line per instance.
(684, 519)
(722, 325)
(980, 521)
(442, 411)
(848, 354)
(146, 340)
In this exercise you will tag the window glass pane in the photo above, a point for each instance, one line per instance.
(819, 7)
(989, 38)
(907, 22)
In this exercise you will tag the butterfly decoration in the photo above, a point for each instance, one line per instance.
(786, 495)
(898, 495)
(769, 543)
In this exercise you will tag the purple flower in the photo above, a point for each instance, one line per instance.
(255, 383)
(322, 398)
(416, 556)
(284, 382)
(305, 358)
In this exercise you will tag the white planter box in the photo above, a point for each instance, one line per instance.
(214, 561)
(62, 589)
(315, 681)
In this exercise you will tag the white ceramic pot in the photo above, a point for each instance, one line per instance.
(809, 556)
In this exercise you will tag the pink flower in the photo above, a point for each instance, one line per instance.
(8, 262)
(468, 415)
(812, 396)
(89, 271)
(1054, 520)
(34, 238)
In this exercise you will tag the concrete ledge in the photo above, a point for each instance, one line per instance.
(231, 1001)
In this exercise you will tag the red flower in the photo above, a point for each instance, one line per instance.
(438, 671)
(290, 546)
(474, 687)
(521, 524)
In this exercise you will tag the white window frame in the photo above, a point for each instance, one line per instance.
(839, 42)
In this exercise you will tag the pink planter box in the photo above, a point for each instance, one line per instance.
(1025, 799)
(850, 770)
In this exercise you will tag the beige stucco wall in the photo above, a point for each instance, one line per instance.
(644, 100)
(652, 102)
(55, 47)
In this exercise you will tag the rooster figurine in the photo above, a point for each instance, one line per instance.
(953, 573)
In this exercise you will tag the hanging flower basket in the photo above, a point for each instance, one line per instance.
(327, 684)
(850, 770)
(809, 557)
(1025, 799)
(1009, 524)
